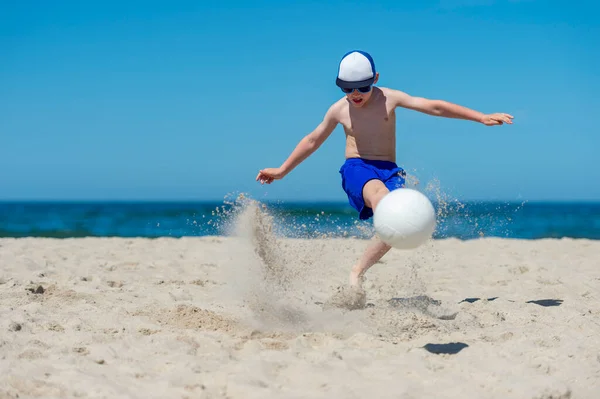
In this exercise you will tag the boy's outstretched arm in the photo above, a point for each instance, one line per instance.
(448, 110)
(303, 150)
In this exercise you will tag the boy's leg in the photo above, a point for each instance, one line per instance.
(373, 192)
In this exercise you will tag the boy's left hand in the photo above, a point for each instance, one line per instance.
(497, 119)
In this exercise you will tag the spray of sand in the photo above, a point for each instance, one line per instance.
(270, 276)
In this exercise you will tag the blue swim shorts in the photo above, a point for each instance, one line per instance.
(356, 172)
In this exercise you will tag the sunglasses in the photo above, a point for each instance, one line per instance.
(364, 89)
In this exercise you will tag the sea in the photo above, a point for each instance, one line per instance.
(462, 220)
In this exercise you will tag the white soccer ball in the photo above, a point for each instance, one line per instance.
(404, 218)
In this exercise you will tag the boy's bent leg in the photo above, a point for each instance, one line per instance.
(373, 192)
(372, 254)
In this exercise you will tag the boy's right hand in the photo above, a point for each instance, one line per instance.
(270, 174)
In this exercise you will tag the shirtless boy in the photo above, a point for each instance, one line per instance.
(367, 114)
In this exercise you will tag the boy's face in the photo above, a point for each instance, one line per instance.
(359, 98)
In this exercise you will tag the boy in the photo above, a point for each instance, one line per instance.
(367, 114)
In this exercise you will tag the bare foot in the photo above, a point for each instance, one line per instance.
(356, 278)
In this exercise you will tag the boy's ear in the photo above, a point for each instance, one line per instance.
(376, 77)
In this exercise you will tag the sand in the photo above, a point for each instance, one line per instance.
(254, 316)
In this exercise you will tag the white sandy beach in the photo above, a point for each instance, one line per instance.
(251, 317)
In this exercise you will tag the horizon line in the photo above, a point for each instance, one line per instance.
(272, 201)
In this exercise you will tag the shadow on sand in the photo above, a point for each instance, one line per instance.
(540, 302)
(471, 300)
(547, 302)
(451, 348)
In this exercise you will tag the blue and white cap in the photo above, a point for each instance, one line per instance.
(356, 69)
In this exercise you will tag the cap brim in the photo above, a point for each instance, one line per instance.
(353, 85)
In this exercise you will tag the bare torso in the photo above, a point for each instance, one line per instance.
(371, 129)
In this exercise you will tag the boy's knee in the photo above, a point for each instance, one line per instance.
(380, 194)
(373, 192)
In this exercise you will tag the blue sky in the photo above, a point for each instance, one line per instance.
(188, 99)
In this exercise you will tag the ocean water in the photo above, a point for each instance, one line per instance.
(529, 220)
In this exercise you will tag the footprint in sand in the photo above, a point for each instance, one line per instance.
(426, 305)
